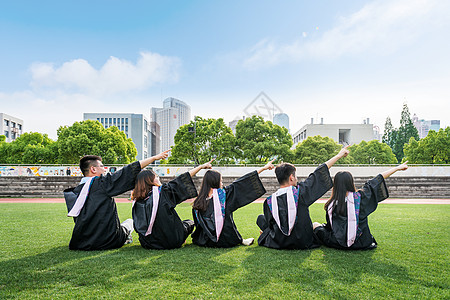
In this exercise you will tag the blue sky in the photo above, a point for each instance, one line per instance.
(341, 60)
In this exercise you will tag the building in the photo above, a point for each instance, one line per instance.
(174, 114)
(233, 124)
(424, 126)
(282, 120)
(341, 133)
(11, 127)
(135, 126)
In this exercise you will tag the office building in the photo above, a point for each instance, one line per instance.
(174, 114)
(282, 120)
(135, 126)
(341, 133)
(11, 127)
(424, 126)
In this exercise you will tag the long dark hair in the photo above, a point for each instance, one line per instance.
(343, 183)
(211, 180)
(144, 184)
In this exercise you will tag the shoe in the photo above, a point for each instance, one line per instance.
(248, 242)
(129, 240)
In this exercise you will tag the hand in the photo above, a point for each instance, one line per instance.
(344, 152)
(269, 165)
(403, 166)
(208, 165)
(162, 155)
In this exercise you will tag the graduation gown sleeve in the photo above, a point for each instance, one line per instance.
(243, 191)
(121, 181)
(180, 189)
(316, 185)
(373, 191)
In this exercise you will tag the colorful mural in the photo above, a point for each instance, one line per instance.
(46, 170)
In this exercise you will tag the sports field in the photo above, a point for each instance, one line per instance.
(411, 261)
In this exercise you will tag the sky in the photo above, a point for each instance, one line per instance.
(343, 61)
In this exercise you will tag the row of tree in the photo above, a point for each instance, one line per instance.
(256, 141)
(82, 138)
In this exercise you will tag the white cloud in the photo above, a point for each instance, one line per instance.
(116, 75)
(380, 27)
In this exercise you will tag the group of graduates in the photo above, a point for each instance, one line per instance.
(285, 224)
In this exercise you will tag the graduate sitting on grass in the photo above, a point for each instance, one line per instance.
(286, 223)
(154, 215)
(347, 211)
(213, 208)
(97, 225)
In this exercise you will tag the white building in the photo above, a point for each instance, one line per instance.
(424, 126)
(135, 126)
(341, 133)
(11, 127)
(174, 114)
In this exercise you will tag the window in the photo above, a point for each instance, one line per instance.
(145, 125)
(20, 126)
(13, 125)
(121, 127)
(122, 121)
(126, 120)
(110, 120)
(6, 123)
(101, 120)
(98, 119)
(145, 141)
(7, 133)
(126, 129)
(145, 154)
(114, 121)
(13, 135)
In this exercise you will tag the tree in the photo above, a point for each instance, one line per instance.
(404, 133)
(433, 149)
(91, 138)
(29, 148)
(212, 139)
(259, 141)
(317, 149)
(388, 129)
(372, 152)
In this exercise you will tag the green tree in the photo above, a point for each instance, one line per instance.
(388, 129)
(212, 139)
(259, 141)
(29, 148)
(372, 152)
(91, 138)
(433, 149)
(317, 149)
(404, 133)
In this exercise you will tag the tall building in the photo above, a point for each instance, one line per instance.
(282, 120)
(135, 126)
(341, 133)
(11, 127)
(174, 114)
(233, 124)
(424, 126)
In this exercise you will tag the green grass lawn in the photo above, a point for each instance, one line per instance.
(412, 260)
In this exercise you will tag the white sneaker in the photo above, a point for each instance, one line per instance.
(248, 242)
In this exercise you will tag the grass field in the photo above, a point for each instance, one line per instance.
(411, 261)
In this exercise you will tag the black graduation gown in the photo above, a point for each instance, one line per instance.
(97, 227)
(241, 192)
(168, 230)
(302, 236)
(374, 191)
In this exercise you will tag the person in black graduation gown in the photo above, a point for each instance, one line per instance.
(213, 208)
(165, 230)
(286, 223)
(344, 232)
(97, 225)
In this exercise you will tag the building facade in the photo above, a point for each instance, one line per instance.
(282, 120)
(174, 114)
(11, 127)
(341, 133)
(424, 126)
(135, 126)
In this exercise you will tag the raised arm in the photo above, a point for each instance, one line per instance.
(343, 153)
(200, 167)
(147, 161)
(389, 172)
(268, 166)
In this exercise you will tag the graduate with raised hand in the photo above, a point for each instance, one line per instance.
(286, 223)
(97, 225)
(213, 208)
(347, 211)
(154, 215)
